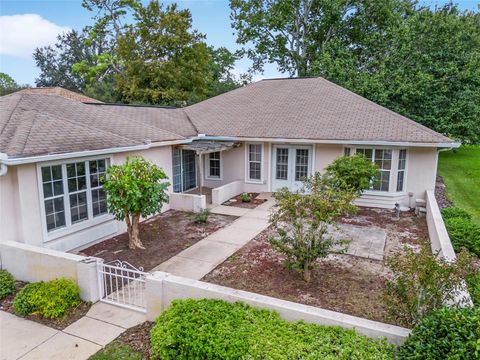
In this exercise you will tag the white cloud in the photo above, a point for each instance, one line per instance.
(21, 34)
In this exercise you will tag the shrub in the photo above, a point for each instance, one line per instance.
(454, 212)
(448, 333)
(245, 197)
(423, 282)
(49, 299)
(7, 284)
(465, 233)
(201, 217)
(215, 329)
(473, 284)
(353, 172)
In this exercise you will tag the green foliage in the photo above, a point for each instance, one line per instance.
(464, 233)
(117, 351)
(8, 85)
(353, 172)
(202, 216)
(245, 197)
(448, 333)
(215, 329)
(301, 219)
(7, 283)
(423, 282)
(460, 169)
(473, 284)
(454, 212)
(51, 299)
(136, 188)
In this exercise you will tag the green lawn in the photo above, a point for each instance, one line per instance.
(461, 172)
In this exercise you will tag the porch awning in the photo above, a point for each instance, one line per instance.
(208, 146)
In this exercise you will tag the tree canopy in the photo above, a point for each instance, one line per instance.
(8, 84)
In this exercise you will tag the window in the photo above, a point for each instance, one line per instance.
(281, 172)
(72, 192)
(214, 165)
(255, 162)
(301, 164)
(383, 159)
(346, 151)
(184, 170)
(402, 162)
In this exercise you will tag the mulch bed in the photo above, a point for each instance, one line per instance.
(441, 193)
(138, 338)
(163, 236)
(237, 201)
(59, 324)
(343, 283)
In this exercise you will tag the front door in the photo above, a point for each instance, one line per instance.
(290, 164)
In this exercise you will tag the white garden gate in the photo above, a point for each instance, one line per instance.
(122, 284)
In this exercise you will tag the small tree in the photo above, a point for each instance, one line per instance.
(423, 282)
(135, 189)
(353, 172)
(301, 220)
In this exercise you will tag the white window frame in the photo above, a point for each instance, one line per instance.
(207, 166)
(392, 186)
(247, 164)
(70, 228)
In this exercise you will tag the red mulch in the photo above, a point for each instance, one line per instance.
(59, 324)
(237, 201)
(163, 236)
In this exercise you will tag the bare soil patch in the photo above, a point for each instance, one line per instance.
(163, 236)
(237, 201)
(441, 193)
(341, 282)
(73, 314)
(138, 338)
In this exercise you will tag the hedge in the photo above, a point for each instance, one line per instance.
(215, 329)
(51, 299)
(462, 230)
(7, 284)
(448, 333)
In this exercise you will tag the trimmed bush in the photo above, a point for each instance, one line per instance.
(49, 299)
(464, 233)
(215, 329)
(448, 333)
(7, 284)
(454, 212)
(473, 283)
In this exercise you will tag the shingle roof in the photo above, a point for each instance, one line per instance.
(39, 124)
(304, 108)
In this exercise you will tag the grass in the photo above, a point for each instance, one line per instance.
(460, 170)
(117, 351)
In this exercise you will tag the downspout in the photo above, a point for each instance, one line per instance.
(436, 164)
(3, 166)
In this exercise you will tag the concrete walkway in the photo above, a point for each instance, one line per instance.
(28, 340)
(204, 256)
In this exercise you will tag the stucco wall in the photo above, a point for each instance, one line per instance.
(22, 218)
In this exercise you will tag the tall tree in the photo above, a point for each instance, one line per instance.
(7, 84)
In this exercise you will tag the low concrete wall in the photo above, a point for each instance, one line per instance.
(31, 263)
(163, 288)
(440, 241)
(188, 202)
(226, 192)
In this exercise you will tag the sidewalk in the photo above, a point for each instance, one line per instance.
(28, 340)
(204, 256)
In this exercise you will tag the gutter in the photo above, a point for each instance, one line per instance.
(3, 164)
(51, 157)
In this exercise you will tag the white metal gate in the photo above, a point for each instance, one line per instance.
(122, 284)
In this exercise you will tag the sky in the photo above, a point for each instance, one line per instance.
(27, 24)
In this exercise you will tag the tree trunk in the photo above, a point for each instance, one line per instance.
(307, 274)
(134, 239)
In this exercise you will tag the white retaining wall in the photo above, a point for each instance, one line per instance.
(188, 202)
(32, 263)
(163, 288)
(440, 241)
(226, 192)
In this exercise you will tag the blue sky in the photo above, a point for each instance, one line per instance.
(25, 24)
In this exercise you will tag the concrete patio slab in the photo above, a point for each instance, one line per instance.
(63, 346)
(116, 315)
(103, 334)
(365, 241)
(19, 336)
(229, 210)
(209, 251)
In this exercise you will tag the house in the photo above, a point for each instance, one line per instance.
(56, 144)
